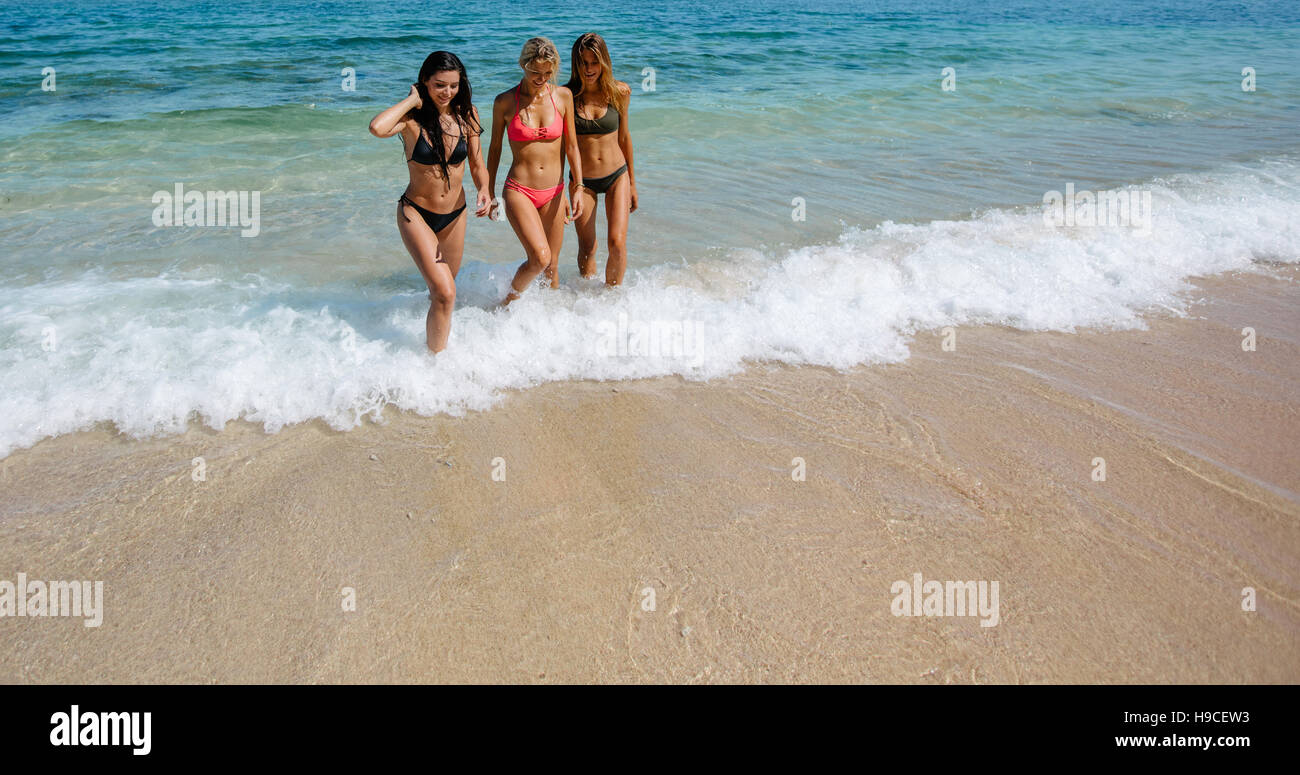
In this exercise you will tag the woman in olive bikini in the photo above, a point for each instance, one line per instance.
(605, 144)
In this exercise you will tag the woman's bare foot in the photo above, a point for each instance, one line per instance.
(511, 296)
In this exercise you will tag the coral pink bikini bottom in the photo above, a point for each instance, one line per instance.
(538, 197)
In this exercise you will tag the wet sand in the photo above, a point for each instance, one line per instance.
(970, 464)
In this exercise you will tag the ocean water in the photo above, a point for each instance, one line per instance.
(921, 206)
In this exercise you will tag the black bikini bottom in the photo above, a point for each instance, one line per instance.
(436, 221)
(601, 185)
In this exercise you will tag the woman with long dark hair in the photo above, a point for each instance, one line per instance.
(605, 143)
(440, 129)
(537, 116)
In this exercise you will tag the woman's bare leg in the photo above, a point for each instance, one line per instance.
(423, 246)
(451, 243)
(618, 205)
(527, 223)
(552, 214)
(587, 235)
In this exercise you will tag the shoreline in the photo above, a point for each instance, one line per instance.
(975, 464)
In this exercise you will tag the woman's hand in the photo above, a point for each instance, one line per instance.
(414, 96)
(484, 205)
(577, 202)
(633, 198)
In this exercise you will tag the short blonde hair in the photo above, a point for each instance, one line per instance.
(543, 49)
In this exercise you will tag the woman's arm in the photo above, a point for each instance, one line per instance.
(625, 138)
(494, 149)
(477, 169)
(393, 120)
(571, 150)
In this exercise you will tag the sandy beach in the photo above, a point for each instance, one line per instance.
(656, 530)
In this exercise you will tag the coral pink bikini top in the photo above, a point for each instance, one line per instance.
(519, 133)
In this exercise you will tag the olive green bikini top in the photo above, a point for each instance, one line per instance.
(597, 126)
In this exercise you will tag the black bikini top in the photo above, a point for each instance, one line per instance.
(423, 153)
(597, 126)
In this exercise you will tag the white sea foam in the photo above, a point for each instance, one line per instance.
(152, 355)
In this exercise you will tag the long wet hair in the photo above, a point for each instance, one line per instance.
(461, 107)
(605, 82)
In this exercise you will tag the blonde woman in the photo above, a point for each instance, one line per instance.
(537, 117)
(605, 145)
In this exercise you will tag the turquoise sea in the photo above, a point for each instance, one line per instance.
(922, 202)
